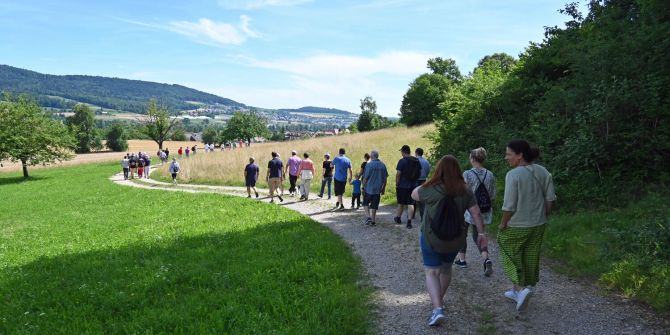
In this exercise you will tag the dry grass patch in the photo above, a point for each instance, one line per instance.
(226, 168)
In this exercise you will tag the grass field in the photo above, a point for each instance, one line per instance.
(226, 168)
(81, 255)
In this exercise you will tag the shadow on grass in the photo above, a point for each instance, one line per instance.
(282, 278)
(20, 180)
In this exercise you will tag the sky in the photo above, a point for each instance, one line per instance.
(270, 53)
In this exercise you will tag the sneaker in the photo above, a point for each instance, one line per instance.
(409, 224)
(522, 299)
(248, 196)
(256, 194)
(397, 220)
(488, 268)
(328, 197)
(437, 318)
(320, 196)
(280, 199)
(461, 264)
(368, 221)
(341, 207)
(272, 201)
(352, 206)
(511, 295)
(372, 224)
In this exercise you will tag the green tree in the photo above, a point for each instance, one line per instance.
(159, 125)
(116, 138)
(446, 67)
(178, 134)
(245, 126)
(501, 59)
(369, 119)
(421, 103)
(82, 127)
(209, 135)
(28, 135)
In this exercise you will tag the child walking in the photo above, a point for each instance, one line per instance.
(356, 194)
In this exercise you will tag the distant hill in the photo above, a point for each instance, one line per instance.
(112, 93)
(316, 110)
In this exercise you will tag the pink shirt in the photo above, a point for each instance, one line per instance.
(307, 164)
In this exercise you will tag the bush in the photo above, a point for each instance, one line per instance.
(116, 138)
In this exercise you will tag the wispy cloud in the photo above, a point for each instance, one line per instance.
(206, 31)
(257, 4)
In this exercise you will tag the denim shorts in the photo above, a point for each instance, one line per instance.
(432, 259)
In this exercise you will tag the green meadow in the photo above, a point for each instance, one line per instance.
(79, 255)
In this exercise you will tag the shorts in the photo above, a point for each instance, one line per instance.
(174, 176)
(339, 187)
(250, 183)
(371, 200)
(432, 259)
(274, 182)
(404, 196)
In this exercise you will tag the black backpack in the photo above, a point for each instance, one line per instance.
(482, 195)
(448, 223)
(413, 169)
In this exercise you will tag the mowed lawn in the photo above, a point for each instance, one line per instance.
(81, 255)
(227, 168)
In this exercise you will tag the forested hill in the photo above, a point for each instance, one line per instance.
(113, 93)
(316, 110)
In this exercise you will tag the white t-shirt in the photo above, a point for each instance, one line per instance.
(526, 190)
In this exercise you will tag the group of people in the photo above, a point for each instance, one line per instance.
(136, 165)
(528, 198)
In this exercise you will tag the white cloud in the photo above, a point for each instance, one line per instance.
(257, 4)
(337, 81)
(210, 32)
(206, 31)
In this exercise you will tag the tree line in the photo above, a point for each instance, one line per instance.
(592, 95)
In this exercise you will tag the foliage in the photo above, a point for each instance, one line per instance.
(245, 126)
(178, 134)
(369, 119)
(111, 93)
(209, 135)
(501, 59)
(28, 135)
(145, 261)
(421, 102)
(82, 127)
(159, 125)
(116, 138)
(446, 67)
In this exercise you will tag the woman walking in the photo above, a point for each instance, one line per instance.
(445, 193)
(327, 175)
(306, 172)
(482, 182)
(529, 196)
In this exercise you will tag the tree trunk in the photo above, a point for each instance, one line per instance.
(160, 145)
(25, 168)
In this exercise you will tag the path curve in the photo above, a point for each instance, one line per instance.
(474, 303)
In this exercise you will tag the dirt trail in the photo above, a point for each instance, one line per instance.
(474, 303)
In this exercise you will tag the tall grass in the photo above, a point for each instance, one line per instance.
(226, 168)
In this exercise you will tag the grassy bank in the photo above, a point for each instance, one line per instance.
(79, 254)
(226, 168)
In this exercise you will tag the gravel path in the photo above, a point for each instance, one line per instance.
(474, 303)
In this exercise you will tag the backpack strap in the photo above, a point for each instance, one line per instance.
(544, 192)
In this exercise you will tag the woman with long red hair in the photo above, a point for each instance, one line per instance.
(446, 186)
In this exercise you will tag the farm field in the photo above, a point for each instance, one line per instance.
(79, 254)
(226, 168)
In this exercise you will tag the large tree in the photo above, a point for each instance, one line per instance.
(159, 125)
(421, 103)
(209, 135)
(501, 59)
(116, 138)
(82, 127)
(369, 119)
(446, 67)
(245, 126)
(30, 136)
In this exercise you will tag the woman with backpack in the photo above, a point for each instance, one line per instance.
(443, 231)
(482, 182)
(174, 170)
(529, 197)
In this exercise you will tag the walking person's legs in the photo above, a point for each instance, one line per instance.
(437, 268)
(330, 184)
(323, 185)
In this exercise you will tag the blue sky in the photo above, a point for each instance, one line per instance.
(269, 53)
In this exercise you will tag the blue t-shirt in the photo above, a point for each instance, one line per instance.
(252, 171)
(375, 175)
(425, 168)
(357, 186)
(404, 181)
(275, 166)
(342, 165)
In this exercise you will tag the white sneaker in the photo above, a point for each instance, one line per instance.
(511, 295)
(437, 318)
(522, 299)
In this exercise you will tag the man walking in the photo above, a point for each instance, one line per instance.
(342, 164)
(408, 171)
(251, 172)
(275, 176)
(425, 169)
(374, 185)
(292, 167)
